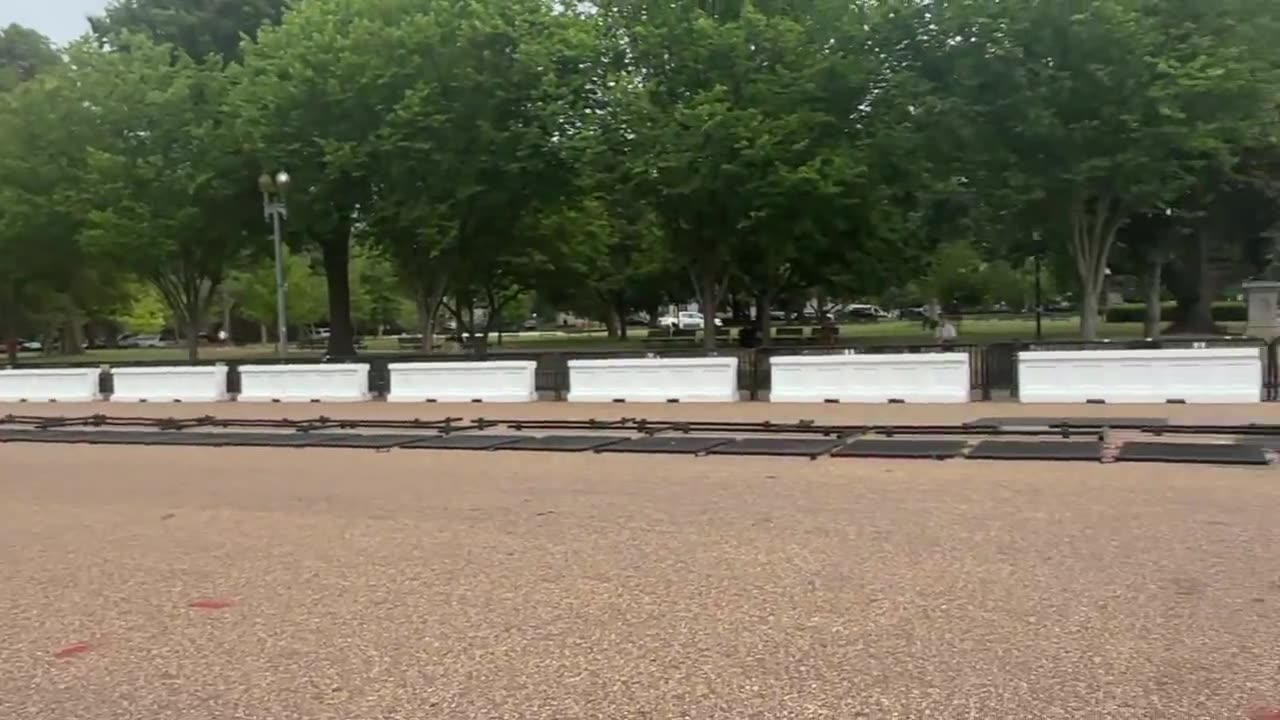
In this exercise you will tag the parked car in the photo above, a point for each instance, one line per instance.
(30, 346)
(142, 341)
(687, 321)
(865, 313)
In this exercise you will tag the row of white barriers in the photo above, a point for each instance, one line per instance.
(1208, 375)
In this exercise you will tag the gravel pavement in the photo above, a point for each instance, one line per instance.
(353, 585)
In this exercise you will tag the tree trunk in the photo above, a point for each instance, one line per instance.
(620, 309)
(1151, 323)
(710, 293)
(653, 311)
(1094, 224)
(611, 321)
(1202, 311)
(764, 319)
(337, 266)
(1089, 314)
(72, 334)
(426, 319)
(193, 336)
(262, 333)
(427, 300)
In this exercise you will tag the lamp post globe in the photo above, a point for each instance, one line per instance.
(266, 184)
(282, 182)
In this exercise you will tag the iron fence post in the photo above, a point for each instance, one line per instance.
(984, 376)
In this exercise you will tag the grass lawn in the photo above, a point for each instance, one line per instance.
(977, 330)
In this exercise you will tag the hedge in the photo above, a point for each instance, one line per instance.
(1136, 313)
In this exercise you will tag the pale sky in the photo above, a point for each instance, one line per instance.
(60, 20)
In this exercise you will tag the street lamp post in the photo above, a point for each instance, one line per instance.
(275, 211)
(1039, 302)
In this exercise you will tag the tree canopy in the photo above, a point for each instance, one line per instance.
(474, 158)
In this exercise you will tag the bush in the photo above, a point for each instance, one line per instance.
(1230, 312)
(1136, 312)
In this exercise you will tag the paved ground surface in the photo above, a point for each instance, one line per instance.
(418, 584)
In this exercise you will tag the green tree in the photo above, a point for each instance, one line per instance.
(301, 107)
(957, 277)
(253, 290)
(375, 293)
(146, 311)
(433, 127)
(171, 199)
(1088, 114)
(24, 53)
(41, 174)
(496, 109)
(200, 28)
(1221, 232)
(751, 127)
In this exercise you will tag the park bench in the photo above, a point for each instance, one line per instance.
(414, 342)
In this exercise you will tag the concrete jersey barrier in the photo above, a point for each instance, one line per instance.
(336, 382)
(707, 379)
(873, 378)
(170, 383)
(1205, 375)
(50, 385)
(497, 381)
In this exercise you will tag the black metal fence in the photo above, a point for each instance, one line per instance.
(993, 367)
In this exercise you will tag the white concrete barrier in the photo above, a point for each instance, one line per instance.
(711, 379)
(1209, 375)
(499, 381)
(176, 383)
(336, 382)
(909, 377)
(50, 385)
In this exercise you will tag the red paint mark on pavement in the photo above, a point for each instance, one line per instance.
(71, 651)
(211, 603)
(1264, 713)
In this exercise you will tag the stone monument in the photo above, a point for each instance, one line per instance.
(1261, 297)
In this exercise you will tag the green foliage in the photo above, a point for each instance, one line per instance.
(200, 28)
(627, 153)
(375, 294)
(166, 186)
(730, 134)
(253, 290)
(1088, 113)
(146, 311)
(44, 272)
(959, 277)
(24, 53)
(443, 122)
